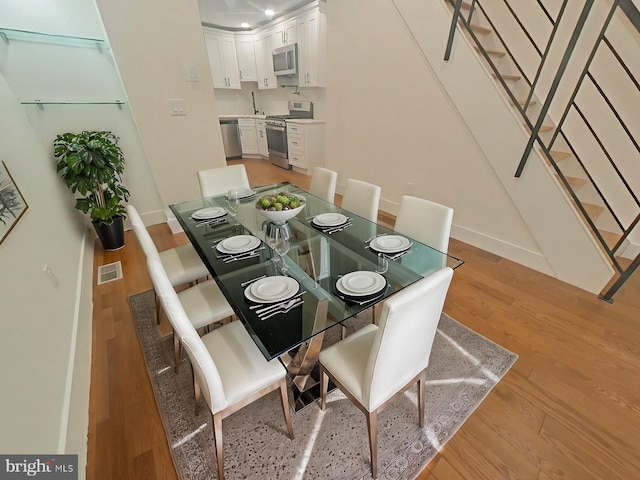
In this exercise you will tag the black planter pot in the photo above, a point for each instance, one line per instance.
(111, 236)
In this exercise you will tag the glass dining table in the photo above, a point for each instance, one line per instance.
(312, 271)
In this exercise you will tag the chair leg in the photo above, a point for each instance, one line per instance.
(217, 437)
(284, 396)
(422, 380)
(372, 426)
(197, 394)
(177, 350)
(158, 307)
(324, 386)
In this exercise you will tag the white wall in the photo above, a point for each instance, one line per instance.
(154, 43)
(44, 322)
(441, 130)
(390, 122)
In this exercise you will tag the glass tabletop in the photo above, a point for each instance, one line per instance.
(333, 258)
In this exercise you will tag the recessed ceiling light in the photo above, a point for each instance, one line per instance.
(269, 12)
(244, 25)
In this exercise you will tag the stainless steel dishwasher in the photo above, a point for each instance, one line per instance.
(231, 138)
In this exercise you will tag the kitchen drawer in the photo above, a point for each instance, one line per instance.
(247, 122)
(297, 159)
(295, 128)
(295, 142)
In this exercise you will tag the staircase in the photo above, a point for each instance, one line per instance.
(577, 93)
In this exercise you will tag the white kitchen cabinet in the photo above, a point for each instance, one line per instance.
(248, 136)
(246, 57)
(263, 45)
(285, 33)
(305, 141)
(311, 48)
(261, 130)
(223, 61)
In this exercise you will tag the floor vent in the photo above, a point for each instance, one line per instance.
(109, 272)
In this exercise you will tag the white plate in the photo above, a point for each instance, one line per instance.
(390, 243)
(358, 284)
(329, 219)
(244, 193)
(238, 244)
(272, 289)
(207, 213)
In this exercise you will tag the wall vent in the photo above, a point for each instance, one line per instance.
(109, 272)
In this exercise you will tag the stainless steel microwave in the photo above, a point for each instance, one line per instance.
(285, 60)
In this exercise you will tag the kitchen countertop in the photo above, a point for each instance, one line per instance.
(242, 116)
(304, 120)
(261, 117)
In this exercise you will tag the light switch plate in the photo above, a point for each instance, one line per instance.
(177, 108)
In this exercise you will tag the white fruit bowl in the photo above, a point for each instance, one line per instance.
(281, 216)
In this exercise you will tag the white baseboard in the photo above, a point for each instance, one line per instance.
(74, 424)
(528, 258)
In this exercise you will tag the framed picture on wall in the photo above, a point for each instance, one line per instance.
(12, 203)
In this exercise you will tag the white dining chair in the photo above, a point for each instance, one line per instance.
(376, 364)
(182, 264)
(362, 198)
(203, 303)
(216, 181)
(230, 373)
(426, 221)
(323, 183)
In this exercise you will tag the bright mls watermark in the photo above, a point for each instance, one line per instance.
(50, 467)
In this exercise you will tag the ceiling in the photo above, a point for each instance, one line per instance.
(229, 14)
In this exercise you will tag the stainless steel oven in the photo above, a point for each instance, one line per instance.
(276, 127)
(277, 141)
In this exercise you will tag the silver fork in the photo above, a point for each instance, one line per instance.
(262, 309)
(284, 310)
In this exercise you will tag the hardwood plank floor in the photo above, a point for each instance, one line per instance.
(568, 409)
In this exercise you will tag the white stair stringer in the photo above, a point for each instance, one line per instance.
(563, 238)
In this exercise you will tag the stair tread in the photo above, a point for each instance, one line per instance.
(574, 182)
(610, 238)
(543, 128)
(557, 156)
(480, 29)
(593, 211)
(522, 102)
(507, 76)
(495, 53)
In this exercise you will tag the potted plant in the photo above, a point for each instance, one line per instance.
(91, 165)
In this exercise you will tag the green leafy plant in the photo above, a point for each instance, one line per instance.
(91, 165)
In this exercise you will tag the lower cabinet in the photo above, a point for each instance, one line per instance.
(305, 141)
(263, 147)
(248, 136)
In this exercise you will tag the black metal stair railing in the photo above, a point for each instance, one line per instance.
(573, 114)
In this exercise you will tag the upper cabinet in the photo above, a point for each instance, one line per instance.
(285, 33)
(263, 45)
(246, 57)
(223, 59)
(311, 49)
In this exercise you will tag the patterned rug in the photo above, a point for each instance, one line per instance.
(333, 444)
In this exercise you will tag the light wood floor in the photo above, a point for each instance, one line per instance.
(568, 409)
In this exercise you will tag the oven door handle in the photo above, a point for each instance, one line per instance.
(277, 129)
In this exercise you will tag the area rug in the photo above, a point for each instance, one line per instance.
(330, 444)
